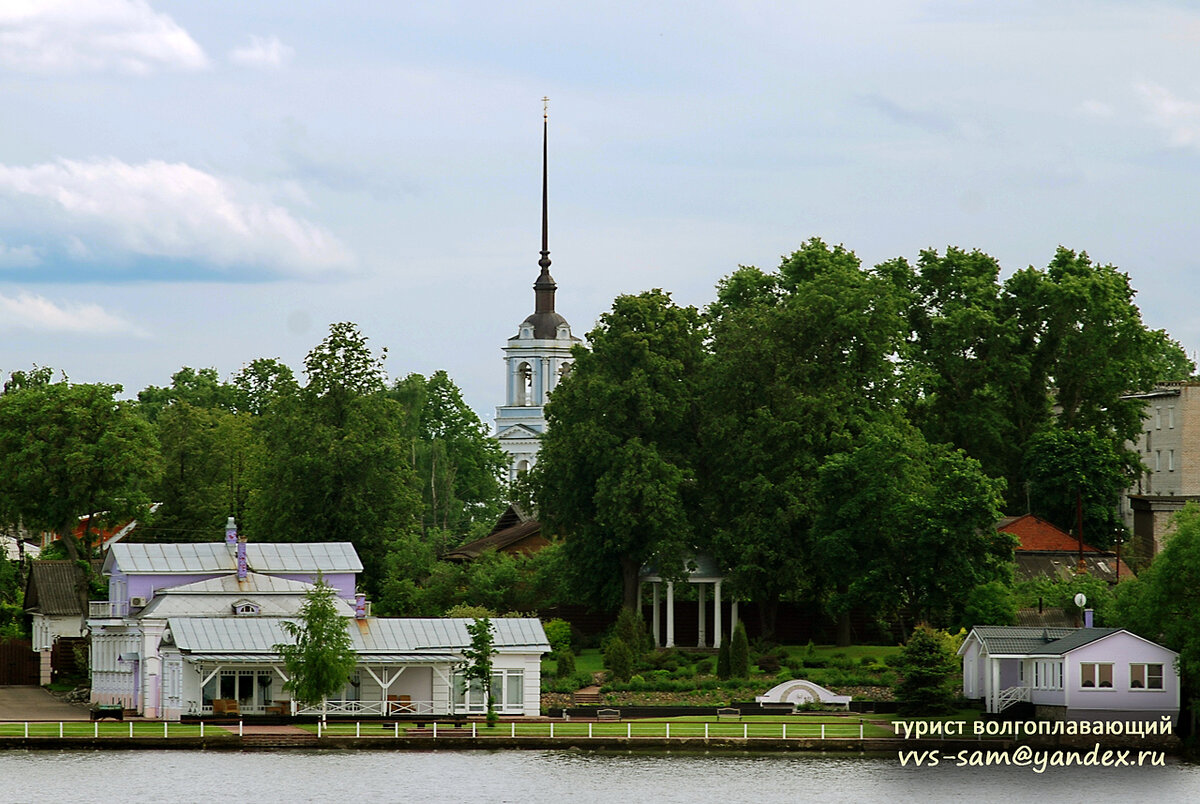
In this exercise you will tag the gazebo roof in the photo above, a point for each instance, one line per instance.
(699, 568)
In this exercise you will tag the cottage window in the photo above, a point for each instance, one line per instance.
(508, 692)
(1047, 675)
(1170, 417)
(1095, 674)
(1158, 460)
(1170, 460)
(1158, 418)
(1146, 676)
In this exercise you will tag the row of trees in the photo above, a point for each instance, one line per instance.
(401, 470)
(846, 434)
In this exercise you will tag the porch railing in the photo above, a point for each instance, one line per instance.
(381, 708)
(1010, 696)
(101, 609)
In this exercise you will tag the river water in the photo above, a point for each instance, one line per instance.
(556, 776)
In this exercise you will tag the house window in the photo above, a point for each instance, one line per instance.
(1047, 675)
(508, 693)
(1158, 418)
(1170, 460)
(1095, 674)
(1158, 460)
(1170, 417)
(1145, 676)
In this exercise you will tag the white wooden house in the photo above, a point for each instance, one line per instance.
(1071, 673)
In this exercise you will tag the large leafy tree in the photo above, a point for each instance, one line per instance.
(616, 470)
(801, 361)
(906, 528)
(458, 464)
(68, 451)
(1162, 603)
(321, 656)
(335, 464)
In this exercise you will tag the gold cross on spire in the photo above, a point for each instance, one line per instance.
(545, 108)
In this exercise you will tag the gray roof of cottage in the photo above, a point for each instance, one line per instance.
(430, 638)
(210, 557)
(275, 597)
(1031, 641)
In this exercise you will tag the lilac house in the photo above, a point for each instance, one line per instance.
(1071, 673)
(190, 629)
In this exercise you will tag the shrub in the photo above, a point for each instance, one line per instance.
(783, 675)
(630, 628)
(768, 663)
(929, 669)
(739, 653)
(469, 612)
(618, 658)
(704, 667)
(566, 664)
(558, 634)
(867, 661)
(816, 661)
(811, 650)
(723, 660)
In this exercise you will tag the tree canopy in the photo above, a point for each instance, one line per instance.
(320, 657)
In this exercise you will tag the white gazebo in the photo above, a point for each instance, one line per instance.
(700, 570)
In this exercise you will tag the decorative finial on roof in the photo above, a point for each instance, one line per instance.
(545, 286)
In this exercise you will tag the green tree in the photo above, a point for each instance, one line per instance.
(335, 464)
(991, 603)
(257, 386)
(68, 451)
(618, 658)
(739, 653)
(320, 657)
(478, 669)
(1163, 602)
(724, 670)
(801, 360)
(930, 670)
(615, 470)
(458, 464)
(906, 526)
(200, 388)
(1068, 467)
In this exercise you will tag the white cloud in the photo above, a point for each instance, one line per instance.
(266, 52)
(1179, 118)
(18, 256)
(86, 35)
(28, 311)
(1097, 108)
(163, 209)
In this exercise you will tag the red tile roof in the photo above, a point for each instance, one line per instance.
(1038, 534)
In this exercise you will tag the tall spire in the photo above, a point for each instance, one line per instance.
(544, 286)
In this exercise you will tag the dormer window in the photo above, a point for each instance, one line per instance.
(564, 332)
(246, 607)
(526, 333)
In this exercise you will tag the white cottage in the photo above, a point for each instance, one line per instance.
(405, 667)
(190, 629)
(1071, 673)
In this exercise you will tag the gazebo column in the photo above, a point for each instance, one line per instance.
(700, 614)
(717, 614)
(670, 614)
(654, 616)
(733, 616)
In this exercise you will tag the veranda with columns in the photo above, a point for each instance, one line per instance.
(701, 572)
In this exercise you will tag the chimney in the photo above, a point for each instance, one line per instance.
(241, 558)
(1087, 618)
(231, 536)
(360, 606)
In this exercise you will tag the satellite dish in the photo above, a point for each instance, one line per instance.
(1080, 600)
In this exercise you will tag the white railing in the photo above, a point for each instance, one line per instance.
(382, 708)
(108, 608)
(1011, 696)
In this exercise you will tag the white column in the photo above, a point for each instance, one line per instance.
(700, 614)
(670, 614)
(654, 616)
(717, 614)
(544, 387)
(733, 618)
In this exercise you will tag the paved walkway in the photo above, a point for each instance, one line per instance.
(34, 703)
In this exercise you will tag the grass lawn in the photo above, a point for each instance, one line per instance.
(109, 729)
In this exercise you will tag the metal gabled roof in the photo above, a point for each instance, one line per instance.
(209, 557)
(372, 636)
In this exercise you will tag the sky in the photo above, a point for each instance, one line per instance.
(204, 184)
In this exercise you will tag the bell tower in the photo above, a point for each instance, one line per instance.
(536, 358)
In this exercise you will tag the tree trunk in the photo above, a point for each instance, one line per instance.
(629, 582)
(843, 630)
